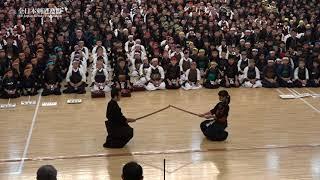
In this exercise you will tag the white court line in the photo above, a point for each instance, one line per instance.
(279, 91)
(311, 91)
(306, 102)
(29, 135)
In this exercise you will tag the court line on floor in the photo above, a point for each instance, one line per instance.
(311, 91)
(25, 151)
(279, 91)
(293, 91)
(169, 152)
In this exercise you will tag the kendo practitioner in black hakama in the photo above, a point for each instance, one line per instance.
(119, 132)
(214, 129)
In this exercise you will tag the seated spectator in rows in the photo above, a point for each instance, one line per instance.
(28, 83)
(98, 45)
(121, 78)
(51, 80)
(315, 74)
(83, 49)
(301, 75)
(185, 64)
(155, 76)
(163, 60)
(285, 73)
(212, 77)
(76, 79)
(17, 72)
(83, 62)
(242, 64)
(270, 75)
(132, 171)
(141, 80)
(172, 77)
(251, 76)
(62, 62)
(138, 48)
(193, 77)
(47, 172)
(100, 80)
(176, 52)
(4, 63)
(100, 55)
(129, 44)
(202, 61)
(133, 61)
(231, 74)
(9, 85)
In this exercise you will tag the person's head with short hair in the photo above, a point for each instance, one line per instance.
(99, 64)
(231, 60)
(121, 62)
(213, 64)
(193, 65)
(132, 171)
(244, 54)
(251, 63)
(75, 64)
(202, 52)
(155, 62)
(47, 172)
(301, 63)
(115, 94)
(270, 62)
(8, 73)
(285, 60)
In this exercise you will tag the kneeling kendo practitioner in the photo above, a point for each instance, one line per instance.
(140, 84)
(119, 132)
(9, 85)
(121, 78)
(214, 129)
(51, 80)
(173, 75)
(29, 86)
(100, 80)
(155, 76)
(193, 77)
(76, 79)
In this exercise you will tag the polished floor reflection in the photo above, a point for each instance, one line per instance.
(269, 138)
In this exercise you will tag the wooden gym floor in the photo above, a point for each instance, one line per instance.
(269, 138)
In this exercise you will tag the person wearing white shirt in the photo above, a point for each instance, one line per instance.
(100, 80)
(140, 76)
(155, 76)
(301, 75)
(100, 54)
(76, 79)
(242, 63)
(185, 64)
(252, 76)
(193, 78)
(129, 44)
(84, 49)
(139, 47)
(176, 52)
(95, 48)
(82, 61)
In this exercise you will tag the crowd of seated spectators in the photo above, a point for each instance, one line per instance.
(139, 45)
